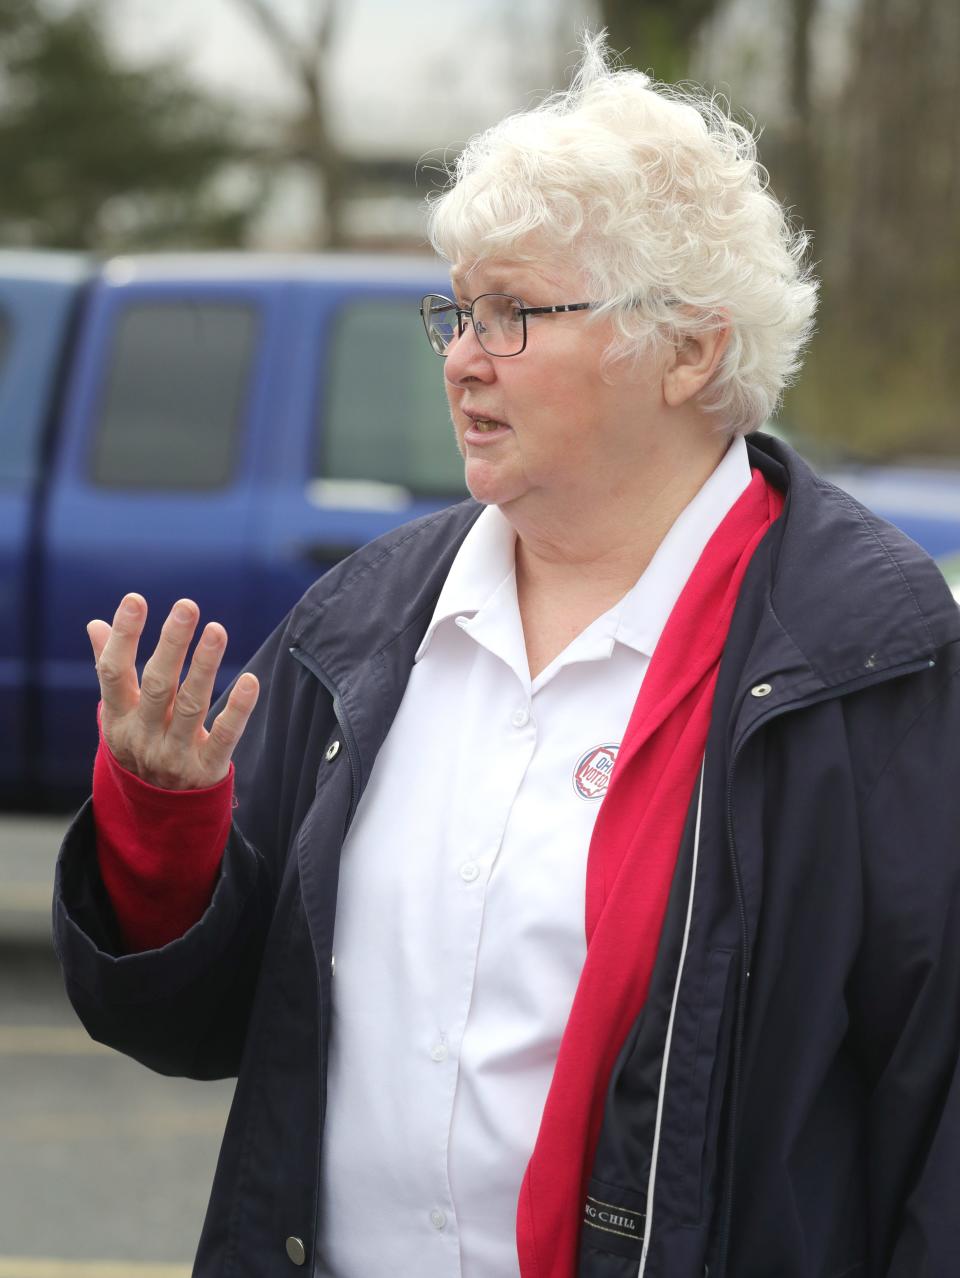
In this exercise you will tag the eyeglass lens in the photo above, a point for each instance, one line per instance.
(497, 319)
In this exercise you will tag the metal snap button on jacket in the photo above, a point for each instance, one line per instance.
(296, 1250)
(761, 690)
(332, 750)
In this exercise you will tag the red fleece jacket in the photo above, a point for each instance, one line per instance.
(159, 850)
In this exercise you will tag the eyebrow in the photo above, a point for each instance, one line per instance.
(498, 283)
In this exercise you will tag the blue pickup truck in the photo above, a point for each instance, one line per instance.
(222, 427)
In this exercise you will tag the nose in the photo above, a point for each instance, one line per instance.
(466, 360)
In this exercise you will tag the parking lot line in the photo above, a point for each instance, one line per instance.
(31, 1267)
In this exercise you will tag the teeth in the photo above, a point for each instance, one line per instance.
(485, 424)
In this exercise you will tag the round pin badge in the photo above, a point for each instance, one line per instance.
(593, 771)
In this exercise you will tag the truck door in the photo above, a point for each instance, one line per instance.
(154, 478)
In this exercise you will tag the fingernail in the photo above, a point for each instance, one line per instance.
(131, 607)
(182, 613)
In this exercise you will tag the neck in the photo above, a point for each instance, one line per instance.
(603, 544)
(576, 559)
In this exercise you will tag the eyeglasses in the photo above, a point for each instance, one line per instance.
(499, 321)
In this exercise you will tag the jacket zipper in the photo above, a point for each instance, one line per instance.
(353, 756)
(665, 1064)
(739, 1018)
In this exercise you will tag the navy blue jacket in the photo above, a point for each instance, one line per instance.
(788, 1103)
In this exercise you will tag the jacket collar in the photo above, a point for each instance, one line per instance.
(359, 628)
(355, 611)
(840, 598)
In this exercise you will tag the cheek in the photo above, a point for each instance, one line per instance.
(453, 400)
(569, 410)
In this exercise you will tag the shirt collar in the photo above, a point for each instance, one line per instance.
(644, 610)
(487, 558)
(483, 563)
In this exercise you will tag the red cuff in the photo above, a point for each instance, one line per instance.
(159, 850)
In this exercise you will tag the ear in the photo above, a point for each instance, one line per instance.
(692, 364)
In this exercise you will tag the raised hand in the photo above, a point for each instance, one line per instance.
(155, 727)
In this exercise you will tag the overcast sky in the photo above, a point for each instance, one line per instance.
(421, 73)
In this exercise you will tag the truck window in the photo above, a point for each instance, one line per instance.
(385, 415)
(175, 389)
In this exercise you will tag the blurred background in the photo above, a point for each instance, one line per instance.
(305, 124)
(217, 418)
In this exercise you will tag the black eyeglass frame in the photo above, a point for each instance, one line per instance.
(463, 311)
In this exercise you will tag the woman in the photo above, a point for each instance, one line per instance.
(621, 792)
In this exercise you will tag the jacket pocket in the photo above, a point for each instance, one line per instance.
(707, 1079)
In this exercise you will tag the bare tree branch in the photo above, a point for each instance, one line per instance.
(305, 56)
(297, 55)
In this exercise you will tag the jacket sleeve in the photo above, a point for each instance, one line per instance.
(905, 995)
(183, 1008)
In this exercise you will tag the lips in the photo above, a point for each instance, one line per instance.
(485, 425)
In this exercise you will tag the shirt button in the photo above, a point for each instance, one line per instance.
(520, 717)
(469, 871)
(438, 1053)
(437, 1219)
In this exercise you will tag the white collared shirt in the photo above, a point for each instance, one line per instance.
(460, 917)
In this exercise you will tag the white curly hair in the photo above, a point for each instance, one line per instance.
(658, 197)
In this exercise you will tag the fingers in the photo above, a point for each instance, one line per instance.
(165, 742)
(196, 692)
(161, 674)
(228, 726)
(98, 632)
(115, 652)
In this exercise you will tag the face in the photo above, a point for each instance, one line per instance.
(564, 436)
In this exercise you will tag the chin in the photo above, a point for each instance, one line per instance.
(490, 485)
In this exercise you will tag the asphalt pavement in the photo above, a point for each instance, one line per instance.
(28, 853)
(106, 1167)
